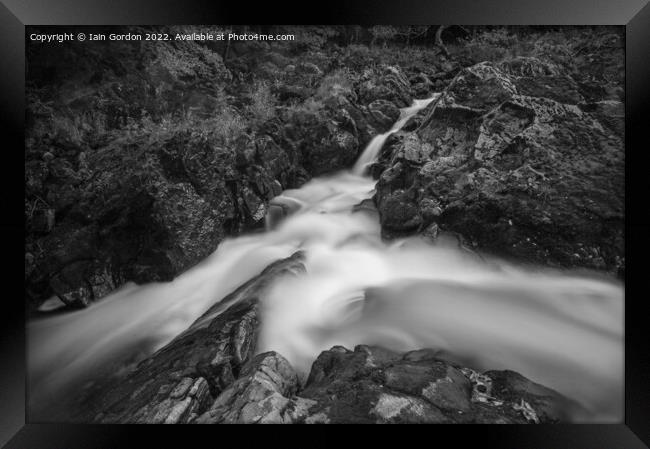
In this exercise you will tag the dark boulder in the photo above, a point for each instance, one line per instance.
(518, 171)
(388, 83)
(262, 395)
(547, 405)
(383, 113)
(376, 385)
(180, 381)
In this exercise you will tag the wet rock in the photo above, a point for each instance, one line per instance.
(129, 189)
(366, 205)
(431, 232)
(180, 382)
(188, 222)
(536, 402)
(388, 83)
(610, 113)
(78, 283)
(519, 171)
(401, 409)
(479, 88)
(152, 225)
(430, 209)
(599, 67)
(209, 375)
(254, 205)
(260, 395)
(560, 88)
(157, 189)
(398, 213)
(421, 85)
(280, 208)
(328, 135)
(335, 149)
(384, 113)
(537, 78)
(375, 385)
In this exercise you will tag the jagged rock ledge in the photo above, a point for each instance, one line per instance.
(211, 374)
(121, 187)
(184, 377)
(515, 159)
(374, 385)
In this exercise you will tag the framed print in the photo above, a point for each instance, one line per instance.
(425, 213)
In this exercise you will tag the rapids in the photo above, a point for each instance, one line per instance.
(561, 329)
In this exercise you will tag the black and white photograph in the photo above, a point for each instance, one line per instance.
(325, 224)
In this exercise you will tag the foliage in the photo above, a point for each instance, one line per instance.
(309, 111)
(262, 106)
(412, 32)
(383, 33)
(340, 81)
(495, 45)
(225, 126)
(559, 47)
(185, 61)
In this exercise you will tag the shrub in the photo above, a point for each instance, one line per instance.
(339, 82)
(228, 125)
(493, 46)
(225, 126)
(185, 60)
(262, 102)
(383, 33)
(309, 111)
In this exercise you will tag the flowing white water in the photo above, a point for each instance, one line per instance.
(372, 150)
(560, 329)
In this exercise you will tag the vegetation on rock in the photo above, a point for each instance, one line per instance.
(141, 157)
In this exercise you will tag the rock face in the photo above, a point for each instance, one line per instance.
(367, 385)
(343, 115)
(212, 373)
(111, 194)
(513, 158)
(181, 380)
(140, 158)
(262, 395)
(374, 385)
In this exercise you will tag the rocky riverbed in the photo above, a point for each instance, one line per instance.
(213, 373)
(142, 159)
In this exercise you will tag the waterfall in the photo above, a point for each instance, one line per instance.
(371, 151)
(561, 329)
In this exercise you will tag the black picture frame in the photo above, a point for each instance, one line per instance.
(15, 432)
